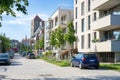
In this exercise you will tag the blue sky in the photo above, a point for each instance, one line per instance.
(20, 26)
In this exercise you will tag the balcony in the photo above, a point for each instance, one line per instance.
(107, 46)
(48, 29)
(106, 23)
(104, 4)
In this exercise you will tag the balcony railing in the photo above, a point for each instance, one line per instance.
(108, 22)
(106, 46)
(104, 4)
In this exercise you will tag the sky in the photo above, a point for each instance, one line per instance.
(20, 26)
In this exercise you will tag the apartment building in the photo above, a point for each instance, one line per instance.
(37, 27)
(37, 30)
(98, 28)
(61, 17)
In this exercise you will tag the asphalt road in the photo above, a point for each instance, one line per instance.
(36, 69)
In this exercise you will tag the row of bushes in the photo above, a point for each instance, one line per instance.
(49, 57)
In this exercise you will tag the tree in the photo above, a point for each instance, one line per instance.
(52, 38)
(5, 43)
(41, 42)
(69, 36)
(37, 45)
(8, 6)
(59, 37)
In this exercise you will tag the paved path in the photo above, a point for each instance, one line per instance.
(35, 69)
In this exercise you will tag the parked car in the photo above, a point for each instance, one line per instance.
(83, 60)
(31, 56)
(5, 59)
(23, 54)
(11, 54)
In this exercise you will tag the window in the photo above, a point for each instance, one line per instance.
(75, 1)
(76, 12)
(89, 3)
(76, 27)
(82, 25)
(63, 19)
(82, 8)
(89, 39)
(94, 16)
(82, 41)
(89, 22)
(95, 36)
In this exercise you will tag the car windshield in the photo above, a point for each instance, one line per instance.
(3, 56)
(90, 56)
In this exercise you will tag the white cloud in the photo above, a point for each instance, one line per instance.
(19, 21)
(65, 5)
(24, 19)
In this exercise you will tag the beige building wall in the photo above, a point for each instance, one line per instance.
(78, 20)
(103, 22)
(61, 17)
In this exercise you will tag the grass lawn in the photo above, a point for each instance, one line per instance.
(65, 63)
(110, 66)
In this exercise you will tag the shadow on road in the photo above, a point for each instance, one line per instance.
(15, 63)
(2, 77)
(84, 78)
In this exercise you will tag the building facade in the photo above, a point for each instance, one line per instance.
(98, 28)
(37, 26)
(60, 18)
(37, 31)
(14, 44)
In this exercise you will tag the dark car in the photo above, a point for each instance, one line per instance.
(23, 54)
(83, 60)
(31, 56)
(11, 54)
(5, 59)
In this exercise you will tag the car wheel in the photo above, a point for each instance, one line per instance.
(80, 66)
(97, 67)
(71, 64)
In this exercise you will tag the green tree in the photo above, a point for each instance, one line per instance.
(41, 42)
(5, 43)
(52, 38)
(37, 45)
(69, 36)
(59, 37)
(9, 7)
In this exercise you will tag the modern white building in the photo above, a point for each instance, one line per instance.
(97, 25)
(61, 17)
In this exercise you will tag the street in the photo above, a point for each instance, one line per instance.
(36, 69)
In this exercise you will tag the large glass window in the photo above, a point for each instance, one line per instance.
(76, 27)
(89, 39)
(89, 3)
(111, 35)
(76, 12)
(95, 35)
(82, 25)
(89, 22)
(82, 41)
(82, 8)
(75, 1)
(94, 16)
